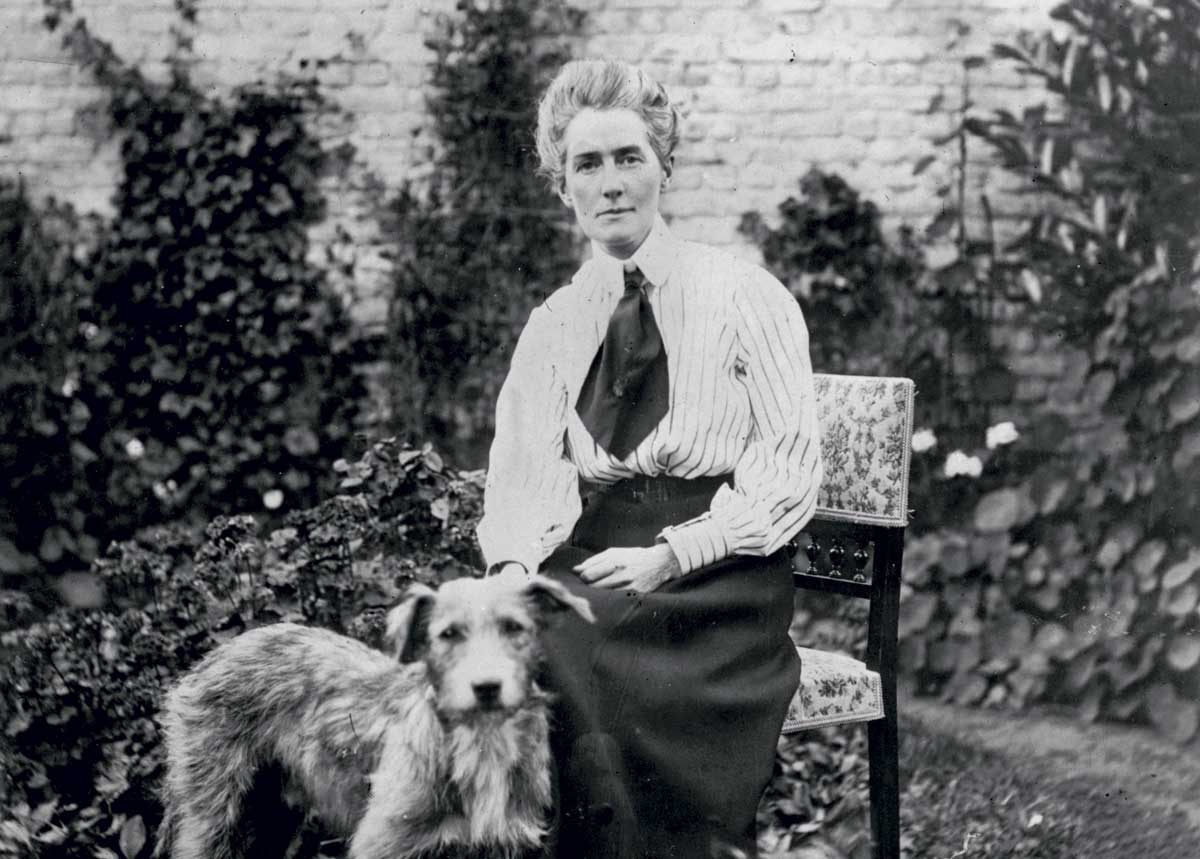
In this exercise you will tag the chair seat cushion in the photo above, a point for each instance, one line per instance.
(834, 689)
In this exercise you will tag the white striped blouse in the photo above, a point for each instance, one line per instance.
(741, 403)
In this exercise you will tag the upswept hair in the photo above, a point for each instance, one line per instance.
(602, 85)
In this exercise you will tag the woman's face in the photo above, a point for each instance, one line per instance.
(612, 178)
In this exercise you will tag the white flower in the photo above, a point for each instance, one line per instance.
(959, 464)
(273, 499)
(1001, 434)
(69, 386)
(923, 440)
(89, 330)
(161, 492)
(135, 449)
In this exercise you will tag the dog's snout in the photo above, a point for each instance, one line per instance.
(487, 693)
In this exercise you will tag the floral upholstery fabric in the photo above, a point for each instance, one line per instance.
(834, 689)
(866, 432)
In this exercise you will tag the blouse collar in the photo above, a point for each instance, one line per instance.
(655, 258)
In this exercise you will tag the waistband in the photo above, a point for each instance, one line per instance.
(660, 489)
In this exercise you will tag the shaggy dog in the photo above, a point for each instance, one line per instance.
(442, 747)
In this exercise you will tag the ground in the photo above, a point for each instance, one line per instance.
(983, 783)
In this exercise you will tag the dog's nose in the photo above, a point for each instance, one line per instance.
(487, 694)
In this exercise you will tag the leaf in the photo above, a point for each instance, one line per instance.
(82, 453)
(1000, 510)
(1007, 52)
(440, 508)
(1147, 558)
(1174, 717)
(1182, 571)
(1183, 654)
(1182, 601)
(1105, 91)
(942, 224)
(1031, 284)
(916, 612)
(133, 837)
(433, 461)
(1184, 401)
(13, 562)
(923, 164)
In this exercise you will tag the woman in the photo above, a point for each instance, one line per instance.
(655, 449)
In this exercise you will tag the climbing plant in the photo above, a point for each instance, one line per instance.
(480, 240)
(208, 366)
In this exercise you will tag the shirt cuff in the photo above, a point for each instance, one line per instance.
(528, 556)
(697, 543)
(495, 566)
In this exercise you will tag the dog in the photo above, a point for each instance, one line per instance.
(443, 746)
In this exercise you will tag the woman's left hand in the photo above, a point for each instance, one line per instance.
(638, 569)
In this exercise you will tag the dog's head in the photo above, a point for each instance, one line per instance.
(479, 637)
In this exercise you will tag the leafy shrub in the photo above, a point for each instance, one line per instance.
(481, 241)
(1063, 567)
(39, 315)
(874, 307)
(830, 250)
(80, 754)
(1080, 582)
(207, 365)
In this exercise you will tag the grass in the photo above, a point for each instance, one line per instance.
(962, 800)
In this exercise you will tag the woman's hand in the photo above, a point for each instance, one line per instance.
(638, 569)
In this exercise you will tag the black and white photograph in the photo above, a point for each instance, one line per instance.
(600, 429)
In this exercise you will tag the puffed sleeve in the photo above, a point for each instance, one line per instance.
(775, 481)
(531, 498)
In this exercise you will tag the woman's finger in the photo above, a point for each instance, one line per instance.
(617, 578)
(598, 560)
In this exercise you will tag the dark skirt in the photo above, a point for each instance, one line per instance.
(669, 707)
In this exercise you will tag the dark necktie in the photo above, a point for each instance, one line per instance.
(625, 393)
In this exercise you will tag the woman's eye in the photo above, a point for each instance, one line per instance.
(631, 159)
(585, 166)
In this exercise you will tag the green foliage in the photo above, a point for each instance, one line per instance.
(80, 753)
(1061, 562)
(481, 240)
(38, 313)
(830, 250)
(874, 307)
(197, 360)
(1080, 582)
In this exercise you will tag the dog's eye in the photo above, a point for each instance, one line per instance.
(511, 627)
(451, 633)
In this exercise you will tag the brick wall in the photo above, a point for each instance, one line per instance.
(769, 87)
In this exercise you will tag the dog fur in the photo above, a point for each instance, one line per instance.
(444, 745)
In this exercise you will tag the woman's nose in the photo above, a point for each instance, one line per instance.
(611, 183)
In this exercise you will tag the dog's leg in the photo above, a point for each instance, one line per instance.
(405, 816)
(207, 785)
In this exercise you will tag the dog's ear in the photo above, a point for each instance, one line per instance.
(408, 623)
(549, 597)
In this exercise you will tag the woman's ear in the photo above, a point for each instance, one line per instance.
(561, 186)
(668, 168)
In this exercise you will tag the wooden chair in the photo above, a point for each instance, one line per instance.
(853, 546)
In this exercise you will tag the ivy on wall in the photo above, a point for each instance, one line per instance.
(192, 359)
(481, 240)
